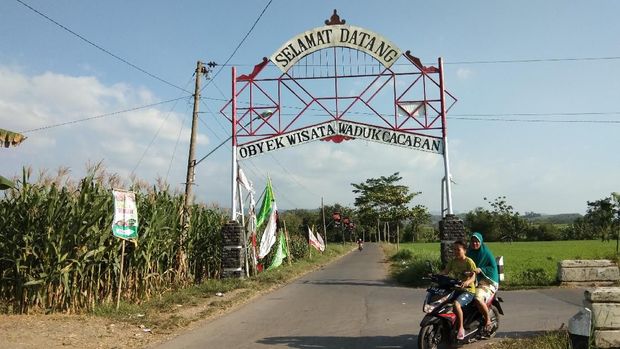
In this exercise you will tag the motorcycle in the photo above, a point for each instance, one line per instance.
(360, 246)
(438, 328)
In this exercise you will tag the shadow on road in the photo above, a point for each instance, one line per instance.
(375, 342)
(380, 283)
(329, 342)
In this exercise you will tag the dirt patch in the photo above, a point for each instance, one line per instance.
(68, 331)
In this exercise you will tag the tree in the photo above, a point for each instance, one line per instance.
(385, 200)
(600, 216)
(500, 223)
(419, 217)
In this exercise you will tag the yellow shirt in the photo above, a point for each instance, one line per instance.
(456, 269)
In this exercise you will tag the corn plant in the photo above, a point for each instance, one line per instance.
(57, 252)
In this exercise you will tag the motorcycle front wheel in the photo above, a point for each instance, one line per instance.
(430, 337)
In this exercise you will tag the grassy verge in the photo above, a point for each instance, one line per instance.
(178, 308)
(549, 340)
(526, 264)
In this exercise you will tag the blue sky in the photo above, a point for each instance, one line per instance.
(48, 76)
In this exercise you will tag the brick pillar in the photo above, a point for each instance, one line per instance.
(451, 228)
(232, 250)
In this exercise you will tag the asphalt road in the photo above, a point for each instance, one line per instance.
(349, 304)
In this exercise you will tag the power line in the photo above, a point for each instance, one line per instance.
(537, 120)
(496, 61)
(238, 45)
(100, 48)
(103, 115)
(537, 60)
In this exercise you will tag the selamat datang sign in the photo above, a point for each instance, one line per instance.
(335, 35)
(340, 128)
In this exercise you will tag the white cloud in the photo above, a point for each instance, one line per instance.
(464, 73)
(28, 102)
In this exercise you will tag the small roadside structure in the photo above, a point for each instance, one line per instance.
(601, 272)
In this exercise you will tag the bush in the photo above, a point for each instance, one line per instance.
(299, 247)
(402, 255)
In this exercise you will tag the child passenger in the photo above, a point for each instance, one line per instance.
(463, 269)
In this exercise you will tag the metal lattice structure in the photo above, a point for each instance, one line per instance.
(342, 90)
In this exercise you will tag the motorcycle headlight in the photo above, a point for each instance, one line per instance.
(434, 302)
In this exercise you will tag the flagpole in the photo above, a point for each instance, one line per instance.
(288, 248)
(120, 279)
(444, 131)
(309, 245)
(234, 170)
(324, 226)
(245, 236)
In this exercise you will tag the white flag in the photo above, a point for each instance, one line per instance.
(321, 242)
(243, 180)
(314, 242)
(269, 235)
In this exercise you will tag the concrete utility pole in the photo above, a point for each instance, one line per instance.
(191, 166)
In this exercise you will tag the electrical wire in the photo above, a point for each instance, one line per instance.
(161, 125)
(102, 115)
(496, 61)
(539, 120)
(174, 151)
(538, 60)
(238, 45)
(106, 51)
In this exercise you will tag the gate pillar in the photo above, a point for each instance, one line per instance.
(451, 228)
(232, 250)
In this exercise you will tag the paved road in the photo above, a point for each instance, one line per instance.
(349, 304)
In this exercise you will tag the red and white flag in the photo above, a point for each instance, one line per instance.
(316, 242)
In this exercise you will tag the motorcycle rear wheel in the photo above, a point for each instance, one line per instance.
(494, 313)
(431, 337)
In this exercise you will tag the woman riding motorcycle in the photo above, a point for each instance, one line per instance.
(486, 275)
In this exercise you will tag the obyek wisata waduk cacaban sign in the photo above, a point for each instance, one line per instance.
(340, 128)
(335, 35)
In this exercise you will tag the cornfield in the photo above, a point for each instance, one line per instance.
(57, 252)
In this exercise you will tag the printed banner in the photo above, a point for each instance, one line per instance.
(342, 128)
(125, 223)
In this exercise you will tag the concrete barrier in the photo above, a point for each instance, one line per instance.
(604, 302)
(600, 272)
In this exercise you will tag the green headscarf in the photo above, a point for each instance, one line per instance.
(484, 260)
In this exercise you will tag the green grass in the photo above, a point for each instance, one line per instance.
(549, 340)
(525, 263)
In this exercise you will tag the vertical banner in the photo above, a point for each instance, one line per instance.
(125, 223)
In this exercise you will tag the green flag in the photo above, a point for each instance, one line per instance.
(281, 252)
(266, 207)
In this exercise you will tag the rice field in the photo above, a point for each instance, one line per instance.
(525, 263)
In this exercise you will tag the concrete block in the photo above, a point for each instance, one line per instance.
(605, 315)
(603, 295)
(607, 339)
(588, 274)
(585, 263)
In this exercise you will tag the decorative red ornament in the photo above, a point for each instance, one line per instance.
(336, 216)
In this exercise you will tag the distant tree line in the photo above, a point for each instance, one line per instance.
(501, 223)
(383, 212)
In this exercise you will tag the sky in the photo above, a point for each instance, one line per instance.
(537, 118)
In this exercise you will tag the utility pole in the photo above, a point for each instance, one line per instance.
(191, 165)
